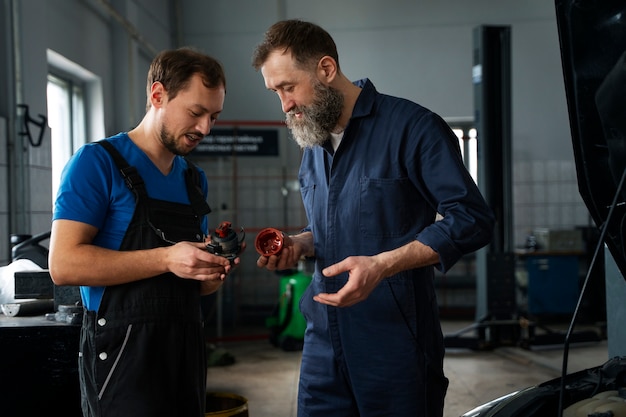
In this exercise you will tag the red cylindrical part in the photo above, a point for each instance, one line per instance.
(269, 242)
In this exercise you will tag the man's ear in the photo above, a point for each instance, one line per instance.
(327, 69)
(157, 94)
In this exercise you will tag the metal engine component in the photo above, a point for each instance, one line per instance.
(269, 241)
(225, 242)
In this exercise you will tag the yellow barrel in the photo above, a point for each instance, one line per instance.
(224, 404)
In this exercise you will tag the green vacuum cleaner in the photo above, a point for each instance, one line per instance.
(287, 324)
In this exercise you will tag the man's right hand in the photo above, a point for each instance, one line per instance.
(192, 261)
(294, 248)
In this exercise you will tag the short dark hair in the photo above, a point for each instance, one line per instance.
(174, 68)
(306, 41)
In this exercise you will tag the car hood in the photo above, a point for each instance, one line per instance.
(591, 36)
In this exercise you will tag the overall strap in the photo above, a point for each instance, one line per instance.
(129, 173)
(196, 197)
(135, 183)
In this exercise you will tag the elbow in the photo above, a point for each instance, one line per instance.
(485, 230)
(58, 273)
(56, 276)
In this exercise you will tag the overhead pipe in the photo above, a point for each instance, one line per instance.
(129, 27)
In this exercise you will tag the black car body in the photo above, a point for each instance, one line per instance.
(592, 35)
(545, 399)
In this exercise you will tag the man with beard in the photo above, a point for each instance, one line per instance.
(375, 172)
(128, 227)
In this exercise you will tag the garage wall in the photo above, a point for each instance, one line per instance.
(421, 50)
(114, 40)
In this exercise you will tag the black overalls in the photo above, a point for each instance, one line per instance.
(143, 352)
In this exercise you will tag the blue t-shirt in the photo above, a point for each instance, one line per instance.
(92, 191)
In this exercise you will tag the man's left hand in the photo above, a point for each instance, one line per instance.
(364, 274)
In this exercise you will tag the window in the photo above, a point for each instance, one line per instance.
(466, 132)
(75, 110)
(66, 117)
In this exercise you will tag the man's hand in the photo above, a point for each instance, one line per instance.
(211, 285)
(364, 274)
(294, 248)
(192, 261)
(287, 258)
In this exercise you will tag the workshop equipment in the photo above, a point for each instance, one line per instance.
(287, 324)
(269, 242)
(225, 242)
(224, 404)
(30, 247)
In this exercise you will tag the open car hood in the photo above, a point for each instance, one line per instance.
(592, 35)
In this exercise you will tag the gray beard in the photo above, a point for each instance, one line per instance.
(318, 119)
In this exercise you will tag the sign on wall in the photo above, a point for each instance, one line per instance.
(240, 142)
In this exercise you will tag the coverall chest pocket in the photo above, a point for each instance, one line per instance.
(387, 207)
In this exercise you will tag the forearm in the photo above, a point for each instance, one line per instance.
(305, 241)
(410, 256)
(94, 266)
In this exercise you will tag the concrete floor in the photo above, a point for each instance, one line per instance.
(268, 376)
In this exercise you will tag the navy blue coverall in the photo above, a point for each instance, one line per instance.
(397, 166)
